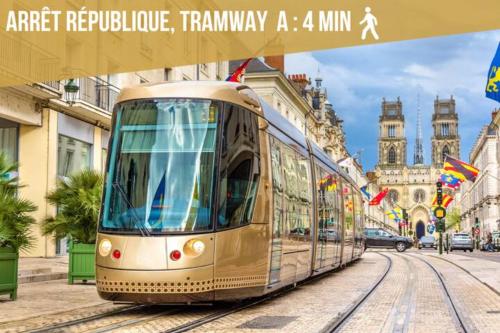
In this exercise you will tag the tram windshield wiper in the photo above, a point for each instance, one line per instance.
(137, 221)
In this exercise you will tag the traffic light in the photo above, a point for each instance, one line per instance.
(477, 223)
(405, 215)
(439, 193)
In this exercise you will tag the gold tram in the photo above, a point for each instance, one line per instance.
(212, 195)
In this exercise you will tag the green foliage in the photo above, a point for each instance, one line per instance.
(15, 221)
(8, 183)
(452, 219)
(78, 200)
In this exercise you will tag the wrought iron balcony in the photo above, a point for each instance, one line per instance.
(96, 92)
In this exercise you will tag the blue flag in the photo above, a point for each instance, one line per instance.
(365, 192)
(493, 84)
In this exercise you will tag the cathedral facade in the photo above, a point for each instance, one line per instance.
(412, 186)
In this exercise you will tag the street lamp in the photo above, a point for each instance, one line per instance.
(71, 89)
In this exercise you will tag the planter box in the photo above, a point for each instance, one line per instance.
(81, 262)
(8, 272)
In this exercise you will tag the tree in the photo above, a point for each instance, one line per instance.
(15, 220)
(78, 199)
(452, 219)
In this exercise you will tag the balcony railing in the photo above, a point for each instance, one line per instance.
(53, 84)
(97, 92)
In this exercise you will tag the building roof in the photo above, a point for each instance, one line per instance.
(254, 66)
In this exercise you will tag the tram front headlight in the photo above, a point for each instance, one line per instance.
(104, 247)
(194, 247)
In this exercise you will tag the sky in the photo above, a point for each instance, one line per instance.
(357, 78)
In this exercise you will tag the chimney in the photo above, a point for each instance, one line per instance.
(494, 114)
(277, 62)
(300, 80)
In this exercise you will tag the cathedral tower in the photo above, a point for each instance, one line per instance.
(445, 140)
(392, 140)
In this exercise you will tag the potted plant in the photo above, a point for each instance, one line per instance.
(78, 200)
(15, 227)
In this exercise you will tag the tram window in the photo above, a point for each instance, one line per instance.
(239, 167)
(328, 207)
(348, 210)
(162, 166)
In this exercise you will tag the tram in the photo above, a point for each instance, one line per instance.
(211, 195)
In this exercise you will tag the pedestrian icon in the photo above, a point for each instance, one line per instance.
(371, 21)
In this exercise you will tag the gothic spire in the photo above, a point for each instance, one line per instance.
(418, 157)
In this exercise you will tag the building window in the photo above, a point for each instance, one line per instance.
(391, 131)
(393, 196)
(419, 196)
(445, 129)
(391, 157)
(9, 139)
(72, 156)
(445, 152)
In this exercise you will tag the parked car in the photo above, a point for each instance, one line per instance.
(427, 242)
(380, 238)
(461, 241)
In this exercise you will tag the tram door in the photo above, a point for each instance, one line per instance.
(277, 223)
(328, 233)
(348, 223)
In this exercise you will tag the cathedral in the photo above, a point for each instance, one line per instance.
(412, 186)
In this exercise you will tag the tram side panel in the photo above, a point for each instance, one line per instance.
(348, 208)
(329, 227)
(242, 238)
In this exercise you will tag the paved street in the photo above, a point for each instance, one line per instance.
(410, 297)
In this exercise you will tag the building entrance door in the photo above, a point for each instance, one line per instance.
(420, 229)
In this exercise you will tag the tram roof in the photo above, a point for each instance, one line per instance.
(231, 92)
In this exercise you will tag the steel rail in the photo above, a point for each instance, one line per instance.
(451, 304)
(469, 273)
(51, 328)
(336, 324)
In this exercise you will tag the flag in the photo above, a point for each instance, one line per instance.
(450, 180)
(493, 82)
(328, 183)
(447, 199)
(460, 169)
(378, 198)
(365, 192)
(239, 72)
(395, 214)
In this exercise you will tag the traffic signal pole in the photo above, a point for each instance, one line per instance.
(440, 213)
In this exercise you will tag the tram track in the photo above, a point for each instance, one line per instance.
(67, 324)
(459, 318)
(337, 324)
(127, 318)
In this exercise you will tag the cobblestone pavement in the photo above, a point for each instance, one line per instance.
(493, 256)
(477, 304)
(409, 299)
(487, 271)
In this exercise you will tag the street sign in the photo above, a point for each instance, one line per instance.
(439, 212)
(476, 231)
(431, 228)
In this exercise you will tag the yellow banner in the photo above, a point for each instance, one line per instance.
(43, 40)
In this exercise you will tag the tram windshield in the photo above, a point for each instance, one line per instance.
(161, 167)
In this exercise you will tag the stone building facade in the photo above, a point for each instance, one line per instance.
(304, 104)
(481, 199)
(412, 186)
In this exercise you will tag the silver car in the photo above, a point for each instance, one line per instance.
(427, 242)
(461, 242)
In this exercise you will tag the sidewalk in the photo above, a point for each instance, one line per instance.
(42, 269)
(485, 270)
(43, 289)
